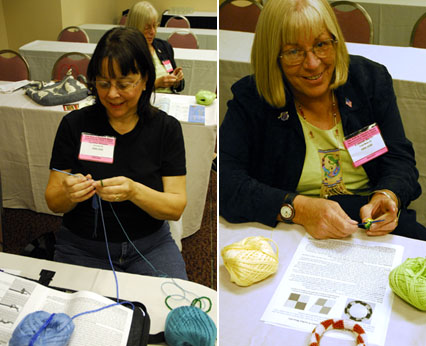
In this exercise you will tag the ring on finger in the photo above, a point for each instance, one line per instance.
(116, 198)
(102, 184)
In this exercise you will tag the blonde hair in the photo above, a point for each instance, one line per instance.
(284, 22)
(140, 15)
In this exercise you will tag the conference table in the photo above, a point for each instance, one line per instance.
(241, 308)
(27, 132)
(150, 291)
(405, 64)
(199, 65)
(393, 20)
(207, 38)
(197, 19)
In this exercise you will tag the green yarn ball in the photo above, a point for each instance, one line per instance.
(408, 281)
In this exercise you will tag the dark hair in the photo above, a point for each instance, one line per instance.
(127, 46)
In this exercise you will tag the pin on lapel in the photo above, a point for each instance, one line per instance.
(348, 102)
(284, 116)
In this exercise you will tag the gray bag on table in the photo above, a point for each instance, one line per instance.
(67, 90)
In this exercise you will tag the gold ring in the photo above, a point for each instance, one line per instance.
(102, 184)
(116, 198)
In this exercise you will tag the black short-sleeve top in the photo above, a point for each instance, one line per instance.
(153, 149)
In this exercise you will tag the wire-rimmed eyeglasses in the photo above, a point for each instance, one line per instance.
(296, 56)
(122, 86)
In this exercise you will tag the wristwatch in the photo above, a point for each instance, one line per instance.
(287, 211)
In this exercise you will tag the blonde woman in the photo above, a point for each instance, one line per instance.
(144, 17)
(283, 154)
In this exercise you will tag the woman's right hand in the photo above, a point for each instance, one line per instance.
(323, 218)
(78, 188)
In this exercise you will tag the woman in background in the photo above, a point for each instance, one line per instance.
(144, 17)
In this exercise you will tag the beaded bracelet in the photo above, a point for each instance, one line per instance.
(338, 324)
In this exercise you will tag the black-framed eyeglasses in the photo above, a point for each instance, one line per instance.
(122, 86)
(296, 56)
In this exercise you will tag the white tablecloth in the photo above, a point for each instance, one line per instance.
(144, 289)
(405, 64)
(199, 65)
(207, 38)
(393, 20)
(241, 308)
(27, 132)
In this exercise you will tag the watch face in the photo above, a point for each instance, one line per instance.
(287, 212)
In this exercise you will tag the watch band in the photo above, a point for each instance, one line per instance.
(288, 199)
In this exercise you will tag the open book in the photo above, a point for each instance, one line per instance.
(183, 111)
(20, 297)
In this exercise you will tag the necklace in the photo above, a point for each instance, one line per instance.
(331, 169)
(333, 112)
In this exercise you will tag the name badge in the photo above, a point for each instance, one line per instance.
(97, 148)
(365, 145)
(168, 65)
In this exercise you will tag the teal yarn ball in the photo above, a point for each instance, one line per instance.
(408, 281)
(189, 326)
(56, 333)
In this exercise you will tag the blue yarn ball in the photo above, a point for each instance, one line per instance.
(189, 325)
(56, 333)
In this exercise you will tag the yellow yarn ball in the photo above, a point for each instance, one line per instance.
(250, 260)
(408, 281)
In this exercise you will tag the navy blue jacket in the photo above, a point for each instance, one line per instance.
(261, 157)
(165, 52)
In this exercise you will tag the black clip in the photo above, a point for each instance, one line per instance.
(46, 276)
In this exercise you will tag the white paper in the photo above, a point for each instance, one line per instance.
(340, 279)
(10, 87)
(19, 297)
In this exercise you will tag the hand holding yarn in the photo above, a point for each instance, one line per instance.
(250, 260)
(408, 281)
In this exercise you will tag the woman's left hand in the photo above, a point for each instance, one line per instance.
(178, 73)
(380, 207)
(116, 189)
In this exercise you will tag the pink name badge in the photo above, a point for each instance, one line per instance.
(168, 65)
(365, 145)
(97, 148)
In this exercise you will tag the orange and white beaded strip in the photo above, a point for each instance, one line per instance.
(338, 324)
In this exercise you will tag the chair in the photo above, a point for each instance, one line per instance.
(178, 21)
(356, 23)
(239, 18)
(123, 18)
(183, 39)
(418, 35)
(75, 61)
(73, 34)
(13, 66)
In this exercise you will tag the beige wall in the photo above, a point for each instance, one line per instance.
(28, 20)
(4, 43)
(93, 12)
(23, 21)
(162, 5)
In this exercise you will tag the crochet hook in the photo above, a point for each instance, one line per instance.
(367, 224)
(58, 170)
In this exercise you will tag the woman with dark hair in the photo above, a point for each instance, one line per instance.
(127, 165)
